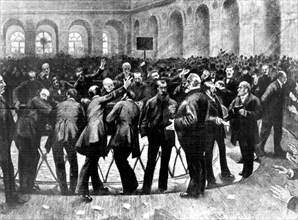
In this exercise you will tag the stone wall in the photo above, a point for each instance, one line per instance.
(179, 27)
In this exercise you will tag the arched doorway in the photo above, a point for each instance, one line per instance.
(120, 41)
(230, 26)
(83, 28)
(175, 47)
(202, 38)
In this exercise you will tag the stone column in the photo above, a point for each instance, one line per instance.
(97, 38)
(215, 37)
(30, 34)
(63, 37)
(188, 41)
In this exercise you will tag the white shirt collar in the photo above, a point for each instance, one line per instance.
(280, 83)
(243, 97)
(71, 99)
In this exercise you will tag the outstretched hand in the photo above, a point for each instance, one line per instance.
(282, 170)
(283, 194)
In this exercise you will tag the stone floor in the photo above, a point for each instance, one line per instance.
(178, 177)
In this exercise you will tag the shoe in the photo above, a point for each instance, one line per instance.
(129, 192)
(212, 185)
(227, 176)
(161, 190)
(102, 191)
(86, 198)
(188, 195)
(15, 200)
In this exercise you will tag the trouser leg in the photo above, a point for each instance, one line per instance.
(209, 157)
(73, 162)
(222, 156)
(166, 150)
(127, 174)
(58, 155)
(153, 148)
(277, 136)
(265, 132)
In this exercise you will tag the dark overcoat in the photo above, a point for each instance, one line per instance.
(248, 125)
(190, 122)
(7, 130)
(272, 102)
(125, 115)
(32, 123)
(70, 121)
(150, 120)
(95, 130)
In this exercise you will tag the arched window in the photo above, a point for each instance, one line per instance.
(43, 43)
(75, 44)
(17, 43)
(105, 43)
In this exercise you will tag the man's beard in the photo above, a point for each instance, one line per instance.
(162, 97)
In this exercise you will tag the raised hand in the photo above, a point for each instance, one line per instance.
(102, 63)
(127, 82)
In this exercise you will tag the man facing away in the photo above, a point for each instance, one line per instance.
(125, 141)
(70, 121)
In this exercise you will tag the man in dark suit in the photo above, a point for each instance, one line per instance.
(263, 82)
(6, 134)
(189, 124)
(214, 132)
(141, 90)
(85, 79)
(283, 193)
(244, 112)
(26, 90)
(231, 85)
(125, 115)
(70, 121)
(29, 129)
(272, 102)
(154, 119)
(126, 74)
(93, 140)
(44, 76)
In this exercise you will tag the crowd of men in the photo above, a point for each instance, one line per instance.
(196, 101)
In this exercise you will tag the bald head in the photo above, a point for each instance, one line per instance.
(44, 94)
(93, 90)
(108, 84)
(193, 81)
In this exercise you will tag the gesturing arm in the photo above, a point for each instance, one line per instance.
(190, 118)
